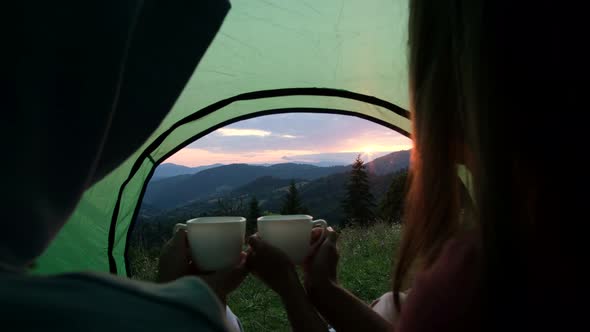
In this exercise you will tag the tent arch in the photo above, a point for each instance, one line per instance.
(346, 45)
(223, 113)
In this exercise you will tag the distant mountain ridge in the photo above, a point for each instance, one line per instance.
(167, 170)
(322, 197)
(179, 190)
(247, 179)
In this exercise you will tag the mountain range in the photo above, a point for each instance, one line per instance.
(167, 170)
(237, 180)
(182, 189)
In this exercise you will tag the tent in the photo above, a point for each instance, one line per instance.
(270, 56)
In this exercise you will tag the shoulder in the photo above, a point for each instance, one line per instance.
(108, 301)
(447, 295)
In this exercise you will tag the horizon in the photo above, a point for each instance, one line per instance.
(318, 164)
(301, 138)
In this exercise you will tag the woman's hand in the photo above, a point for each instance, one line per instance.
(319, 268)
(275, 269)
(175, 262)
(271, 265)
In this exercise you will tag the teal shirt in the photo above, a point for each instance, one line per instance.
(101, 302)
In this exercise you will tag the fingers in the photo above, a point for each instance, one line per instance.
(251, 260)
(174, 258)
(262, 253)
(176, 247)
(254, 242)
(316, 234)
(243, 258)
(251, 257)
(319, 240)
(331, 235)
(320, 237)
(258, 246)
(329, 244)
(179, 239)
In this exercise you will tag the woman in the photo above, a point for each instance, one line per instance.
(489, 83)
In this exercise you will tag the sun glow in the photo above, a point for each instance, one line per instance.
(372, 148)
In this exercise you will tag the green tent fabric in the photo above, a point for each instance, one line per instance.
(334, 56)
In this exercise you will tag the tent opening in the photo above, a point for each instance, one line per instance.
(249, 167)
(103, 220)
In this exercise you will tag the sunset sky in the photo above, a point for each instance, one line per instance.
(297, 137)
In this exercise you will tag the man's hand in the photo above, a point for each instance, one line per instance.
(175, 262)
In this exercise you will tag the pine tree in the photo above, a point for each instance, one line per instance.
(359, 203)
(391, 207)
(230, 207)
(292, 202)
(253, 214)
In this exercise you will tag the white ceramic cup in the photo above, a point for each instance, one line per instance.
(290, 233)
(216, 242)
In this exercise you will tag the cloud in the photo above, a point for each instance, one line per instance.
(233, 132)
(243, 132)
(296, 137)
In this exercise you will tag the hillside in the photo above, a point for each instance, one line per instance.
(183, 189)
(390, 163)
(322, 197)
(220, 181)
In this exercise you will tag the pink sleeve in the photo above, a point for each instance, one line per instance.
(446, 297)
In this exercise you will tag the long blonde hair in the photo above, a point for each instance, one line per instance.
(488, 80)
